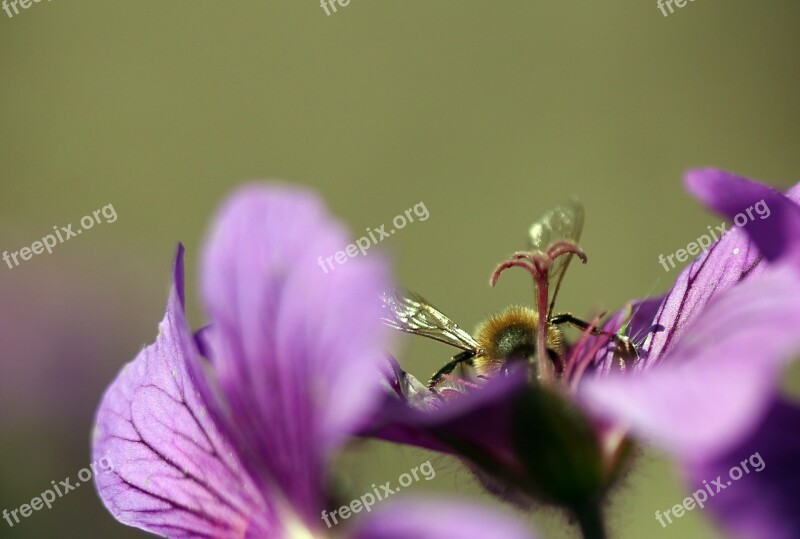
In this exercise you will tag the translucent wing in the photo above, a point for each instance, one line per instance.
(561, 223)
(410, 312)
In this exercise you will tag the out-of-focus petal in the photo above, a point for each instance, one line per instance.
(295, 347)
(727, 262)
(477, 423)
(524, 442)
(720, 377)
(171, 471)
(438, 520)
(765, 499)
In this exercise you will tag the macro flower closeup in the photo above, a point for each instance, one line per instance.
(245, 254)
(229, 432)
(704, 386)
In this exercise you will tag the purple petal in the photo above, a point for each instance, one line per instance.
(295, 348)
(438, 520)
(173, 473)
(719, 379)
(765, 499)
(775, 225)
(727, 262)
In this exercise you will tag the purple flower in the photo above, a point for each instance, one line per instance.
(228, 433)
(704, 388)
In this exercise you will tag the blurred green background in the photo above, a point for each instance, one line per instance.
(488, 112)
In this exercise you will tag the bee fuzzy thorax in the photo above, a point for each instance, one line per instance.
(512, 334)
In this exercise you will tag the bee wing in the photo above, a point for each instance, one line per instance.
(410, 312)
(561, 223)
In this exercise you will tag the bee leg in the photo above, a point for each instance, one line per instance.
(568, 318)
(624, 352)
(462, 371)
(464, 357)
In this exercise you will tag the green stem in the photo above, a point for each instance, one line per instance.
(590, 519)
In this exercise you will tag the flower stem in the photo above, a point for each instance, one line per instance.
(590, 519)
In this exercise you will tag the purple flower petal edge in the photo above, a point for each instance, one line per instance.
(173, 473)
(735, 257)
(772, 219)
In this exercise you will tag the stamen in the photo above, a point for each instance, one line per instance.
(511, 263)
(565, 247)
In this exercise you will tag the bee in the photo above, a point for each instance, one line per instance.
(518, 333)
